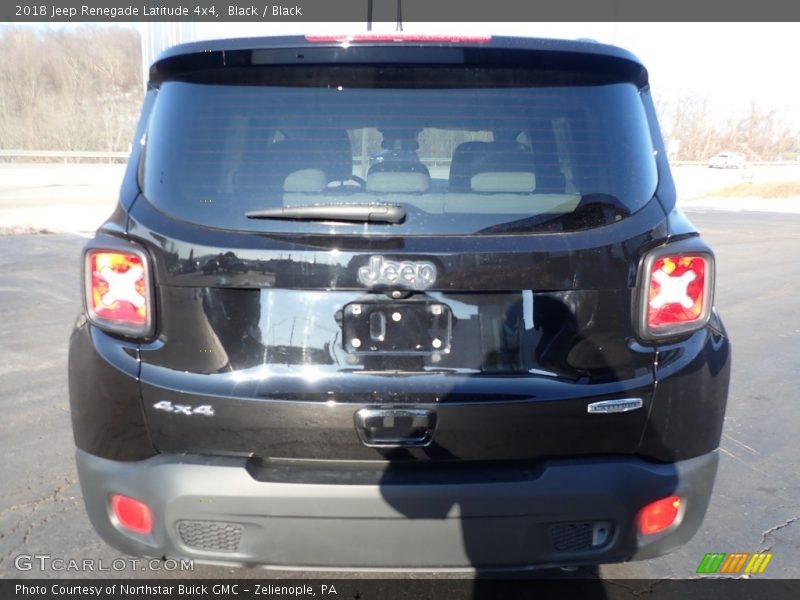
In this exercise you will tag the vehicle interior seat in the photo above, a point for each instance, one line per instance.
(461, 165)
(399, 154)
(471, 158)
(336, 153)
(276, 162)
(474, 158)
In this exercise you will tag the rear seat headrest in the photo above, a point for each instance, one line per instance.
(397, 182)
(305, 180)
(472, 158)
(334, 144)
(519, 182)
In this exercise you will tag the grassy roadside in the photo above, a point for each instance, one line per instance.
(23, 230)
(761, 189)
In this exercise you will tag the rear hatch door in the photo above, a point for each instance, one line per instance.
(356, 260)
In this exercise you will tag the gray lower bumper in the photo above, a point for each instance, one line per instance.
(563, 512)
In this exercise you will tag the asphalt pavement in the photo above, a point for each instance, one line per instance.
(755, 506)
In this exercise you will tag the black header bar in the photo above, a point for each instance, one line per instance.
(383, 11)
(398, 589)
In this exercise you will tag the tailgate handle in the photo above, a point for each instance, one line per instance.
(395, 427)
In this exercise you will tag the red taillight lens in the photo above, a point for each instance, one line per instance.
(659, 515)
(677, 295)
(117, 290)
(131, 514)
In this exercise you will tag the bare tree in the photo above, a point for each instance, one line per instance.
(759, 135)
(69, 89)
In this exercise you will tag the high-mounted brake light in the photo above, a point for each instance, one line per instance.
(117, 292)
(400, 37)
(677, 294)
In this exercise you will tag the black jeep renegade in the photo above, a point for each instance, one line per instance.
(493, 347)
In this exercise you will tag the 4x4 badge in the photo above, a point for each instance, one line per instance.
(419, 275)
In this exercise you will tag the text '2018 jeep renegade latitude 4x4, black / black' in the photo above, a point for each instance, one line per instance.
(493, 348)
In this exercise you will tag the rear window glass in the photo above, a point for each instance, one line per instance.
(462, 150)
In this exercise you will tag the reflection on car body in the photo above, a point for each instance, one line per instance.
(496, 347)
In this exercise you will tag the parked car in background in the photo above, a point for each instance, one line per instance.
(727, 160)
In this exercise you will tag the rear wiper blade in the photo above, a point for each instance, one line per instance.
(359, 213)
(592, 210)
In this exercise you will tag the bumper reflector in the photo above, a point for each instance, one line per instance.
(659, 515)
(131, 514)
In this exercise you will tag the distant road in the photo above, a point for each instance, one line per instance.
(755, 502)
(693, 181)
(74, 198)
(57, 197)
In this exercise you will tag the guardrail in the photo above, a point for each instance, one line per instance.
(65, 155)
(753, 163)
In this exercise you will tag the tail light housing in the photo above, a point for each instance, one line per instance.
(676, 291)
(118, 292)
(659, 516)
(131, 514)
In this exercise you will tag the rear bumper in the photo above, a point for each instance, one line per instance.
(557, 512)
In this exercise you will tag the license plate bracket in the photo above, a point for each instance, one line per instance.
(397, 328)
